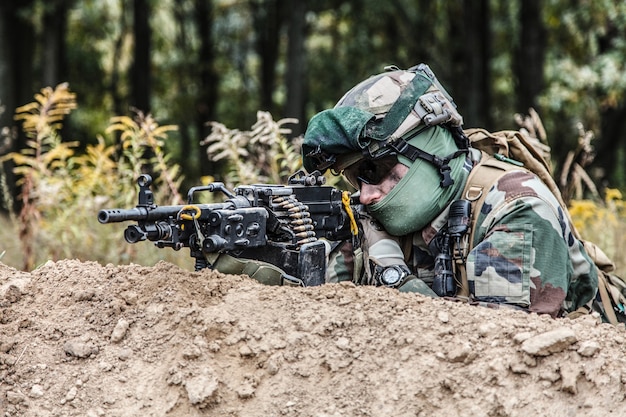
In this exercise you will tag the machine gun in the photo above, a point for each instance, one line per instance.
(275, 224)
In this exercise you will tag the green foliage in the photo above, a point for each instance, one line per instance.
(585, 71)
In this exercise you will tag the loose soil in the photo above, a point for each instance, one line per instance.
(83, 339)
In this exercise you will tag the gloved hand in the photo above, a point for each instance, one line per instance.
(263, 272)
(414, 284)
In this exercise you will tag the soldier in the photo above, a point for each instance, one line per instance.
(397, 138)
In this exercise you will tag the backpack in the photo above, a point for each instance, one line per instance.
(501, 150)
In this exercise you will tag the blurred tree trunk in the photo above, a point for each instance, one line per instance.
(53, 43)
(267, 22)
(17, 54)
(180, 83)
(611, 142)
(208, 79)
(114, 86)
(469, 75)
(610, 147)
(418, 51)
(17, 78)
(140, 72)
(9, 57)
(296, 65)
(471, 83)
(529, 55)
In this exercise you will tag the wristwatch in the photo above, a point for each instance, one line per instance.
(391, 276)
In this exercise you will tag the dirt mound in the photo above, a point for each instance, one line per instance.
(81, 339)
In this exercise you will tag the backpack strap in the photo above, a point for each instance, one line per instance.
(605, 299)
(482, 177)
(520, 147)
(610, 286)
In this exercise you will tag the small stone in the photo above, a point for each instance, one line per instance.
(36, 391)
(519, 368)
(12, 294)
(192, 352)
(486, 329)
(14, 397)
(6, 345)
(105, 366)
(343, 343)
(522, 337)
(85, 295)
(14, 289)
(547, 343)
(109, 400)
(120, 330)
(245, 391)
(201, 389)
(460, 353)
(443, 316)
(80, 349)
(125, 354)
(274, 363)
(130, 297)
(245, 350)
(569, 377)
(588, 348)
(7, 359)
(71, 394)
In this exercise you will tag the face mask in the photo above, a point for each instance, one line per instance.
(418, 197)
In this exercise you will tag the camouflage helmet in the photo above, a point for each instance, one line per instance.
(378, 117)
(379, 93)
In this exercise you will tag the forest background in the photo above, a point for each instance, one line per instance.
(186, 63)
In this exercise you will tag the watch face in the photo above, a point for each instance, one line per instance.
(391, 276)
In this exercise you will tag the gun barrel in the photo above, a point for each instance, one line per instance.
(138, 214)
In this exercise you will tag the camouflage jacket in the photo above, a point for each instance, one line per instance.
(523, 254)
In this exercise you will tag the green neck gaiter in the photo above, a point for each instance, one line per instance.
(418, 197)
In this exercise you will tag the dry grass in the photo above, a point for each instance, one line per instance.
(62, 191)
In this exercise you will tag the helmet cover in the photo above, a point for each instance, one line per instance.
(391, 105)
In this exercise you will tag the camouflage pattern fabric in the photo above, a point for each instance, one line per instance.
(341, 264)
(524, 254)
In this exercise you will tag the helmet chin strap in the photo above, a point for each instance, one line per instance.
(402, 147)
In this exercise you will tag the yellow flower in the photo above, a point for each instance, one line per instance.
(612, 194)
